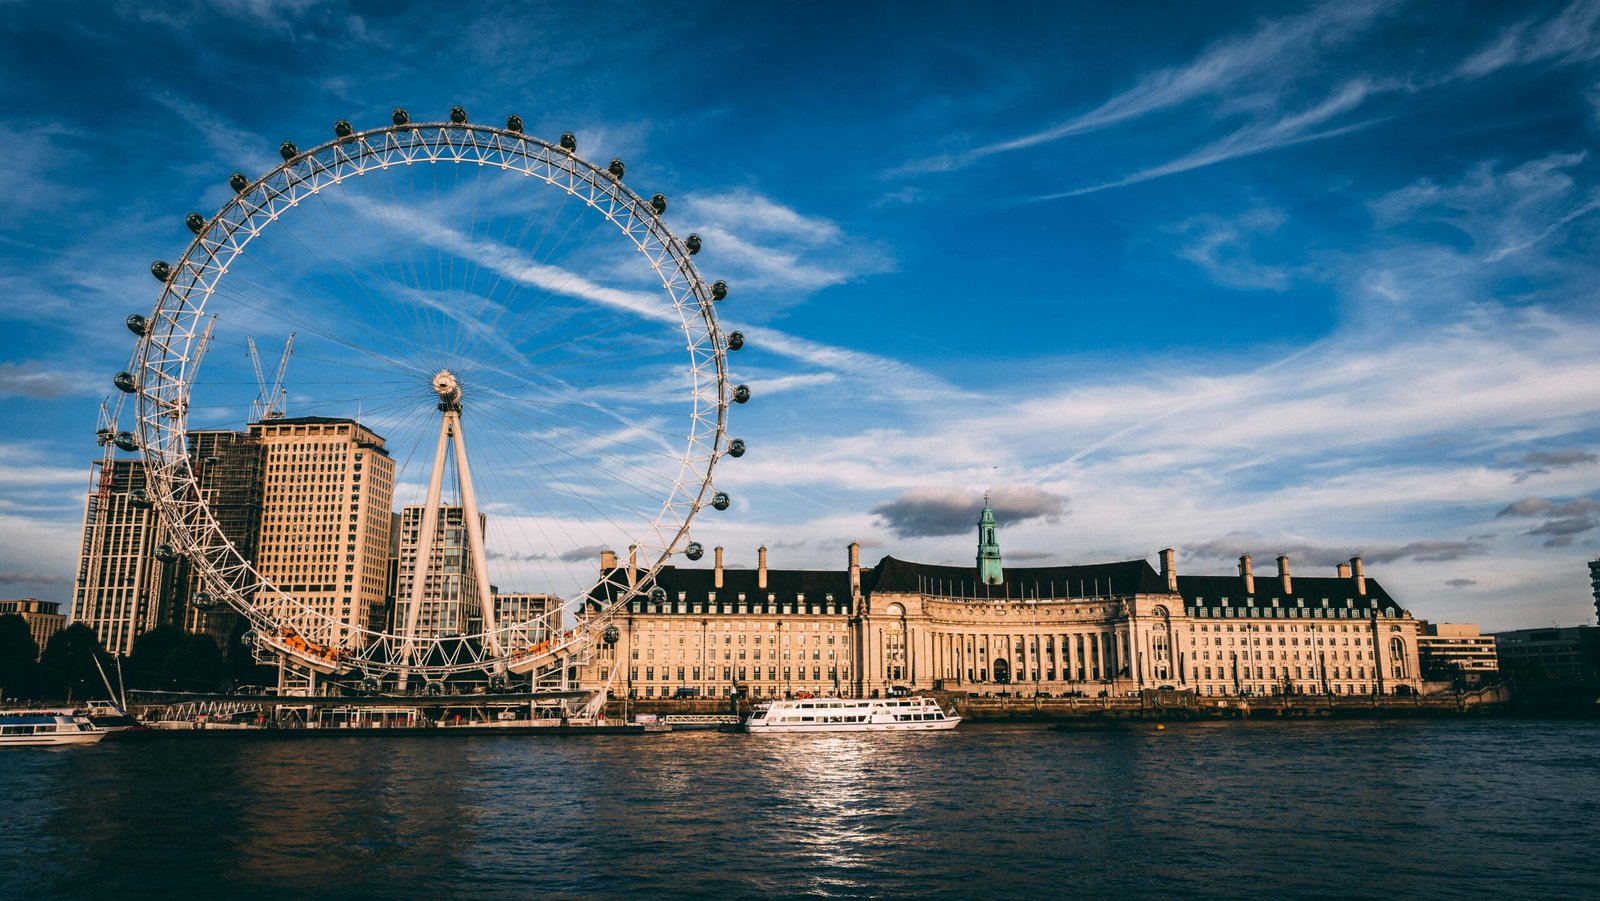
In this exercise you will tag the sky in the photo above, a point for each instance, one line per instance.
(1282, 278)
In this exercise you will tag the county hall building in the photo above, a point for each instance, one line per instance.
(1092, 630)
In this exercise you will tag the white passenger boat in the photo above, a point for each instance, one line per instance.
(850, 715)
(46, 727)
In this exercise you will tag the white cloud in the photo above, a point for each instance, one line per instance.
(1570, 36)
(1250, 62)
(1260, 137)
(756, 243)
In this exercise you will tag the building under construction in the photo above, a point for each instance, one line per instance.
(228, 470)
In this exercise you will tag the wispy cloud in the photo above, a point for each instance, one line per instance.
(1275, 47)
(1431, 550)
(36, 380)
(1222, 247)
(1298, 128)
(759, 244)
(1569, 36)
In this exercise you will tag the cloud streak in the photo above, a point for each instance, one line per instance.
(1225, 66)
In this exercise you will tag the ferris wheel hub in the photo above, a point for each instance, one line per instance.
(448, 387)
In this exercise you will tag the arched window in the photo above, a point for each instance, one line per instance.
(1397, 653)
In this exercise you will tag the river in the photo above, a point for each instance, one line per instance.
(1346, 809)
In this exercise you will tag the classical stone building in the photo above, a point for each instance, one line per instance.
(1099, 629)
(706, 632)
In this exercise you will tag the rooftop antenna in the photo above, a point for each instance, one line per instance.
(272, 400)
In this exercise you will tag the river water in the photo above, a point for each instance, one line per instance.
(1438, 808)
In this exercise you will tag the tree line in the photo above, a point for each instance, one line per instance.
(164, 658)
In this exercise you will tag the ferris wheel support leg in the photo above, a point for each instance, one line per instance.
(480, 555)
(430, 522)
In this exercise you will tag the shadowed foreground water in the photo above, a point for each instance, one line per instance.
(1508, 808)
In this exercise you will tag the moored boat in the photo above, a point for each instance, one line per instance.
(850, 715)
(19, 728)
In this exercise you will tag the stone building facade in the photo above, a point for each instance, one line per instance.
(326, 514)
(1095, 630)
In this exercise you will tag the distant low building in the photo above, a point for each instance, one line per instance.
(44, 618)
(1568, 654)
(1449, 651)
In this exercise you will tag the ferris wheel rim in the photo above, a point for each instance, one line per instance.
(163, 395)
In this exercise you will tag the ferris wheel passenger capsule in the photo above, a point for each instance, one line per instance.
(616, 168)
(140, 498)
(514, 123)
(126, 441)
(658, 595)
(138, 325)
(719, 289)
(195, 222)
(126, 382)
(400, 116)
(569, 142)
(342, 129)
(735, 340)
(694, 551)
(736, 447)
(288, 151)
(161, 270)
(238, 182)
(165, 553)
(693, 244)
(741, 394)
(610, 635)
(720, 500)
(458, 115)
(659, 203)
(204, 601)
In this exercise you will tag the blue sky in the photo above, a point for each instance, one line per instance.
(1316, 279)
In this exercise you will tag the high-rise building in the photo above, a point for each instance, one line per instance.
(44, 618)
(118, 591)
(327, 494)
(1594, 585)
(451, 601)
(227, 468)
(519, 617)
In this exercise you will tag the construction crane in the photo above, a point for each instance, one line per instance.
(272, 400)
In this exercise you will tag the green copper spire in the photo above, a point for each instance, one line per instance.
(989, 571)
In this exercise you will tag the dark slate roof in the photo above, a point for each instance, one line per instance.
(784, 585)
(1091, 580)
(1311, 589)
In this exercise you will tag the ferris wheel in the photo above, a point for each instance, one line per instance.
(454, 292)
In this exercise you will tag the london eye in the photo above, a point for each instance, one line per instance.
(513, 335)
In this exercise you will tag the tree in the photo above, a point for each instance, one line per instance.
(18, 655)
(67, 670)
(147, 665)
(196, 664)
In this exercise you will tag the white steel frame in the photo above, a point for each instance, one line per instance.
(166, 361)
